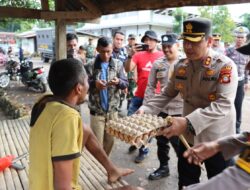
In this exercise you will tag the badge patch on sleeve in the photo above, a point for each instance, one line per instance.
(225, 74)
(225, 78)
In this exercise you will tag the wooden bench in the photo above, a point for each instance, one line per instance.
(14, 140)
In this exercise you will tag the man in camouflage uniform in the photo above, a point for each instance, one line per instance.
(240, 60)
(106, 78)
(90, 50)
(207, 82)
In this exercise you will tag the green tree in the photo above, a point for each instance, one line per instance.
(20, 25)
(222, 21)
(179, 16)
(246, 20)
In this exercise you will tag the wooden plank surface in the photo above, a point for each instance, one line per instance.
(14, 140)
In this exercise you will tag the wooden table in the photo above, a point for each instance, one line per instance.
(14, 140)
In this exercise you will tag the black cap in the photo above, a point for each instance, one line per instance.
(216, 36)
(244, 49)
(151, 34)
(195, 29)
(131, 36)
(169, 39)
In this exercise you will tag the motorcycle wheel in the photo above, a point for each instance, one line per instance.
(4, 80)
(44, 88)
(41, 87)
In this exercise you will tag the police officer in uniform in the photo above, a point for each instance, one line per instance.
(240, 60)
(160, 74)
(216, 46)
(207, 82)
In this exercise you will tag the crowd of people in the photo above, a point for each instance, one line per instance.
(202, 91)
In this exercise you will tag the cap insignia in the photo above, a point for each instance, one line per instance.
(241, 30)
(165, 38)
(189, 28)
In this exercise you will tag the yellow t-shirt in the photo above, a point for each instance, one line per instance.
(57, 134)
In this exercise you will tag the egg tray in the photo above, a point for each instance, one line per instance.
(136, 129)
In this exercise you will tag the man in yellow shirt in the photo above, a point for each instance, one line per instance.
(57, 131)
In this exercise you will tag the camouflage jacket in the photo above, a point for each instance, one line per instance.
(115, 69)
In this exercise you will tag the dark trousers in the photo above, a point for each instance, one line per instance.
(190, 173)
(163, 145)
(238, 104)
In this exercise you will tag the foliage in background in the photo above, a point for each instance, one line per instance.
(246, 20)
(222, 20)
(20, 25)
(179, 16)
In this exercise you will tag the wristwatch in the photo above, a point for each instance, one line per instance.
(190, 127)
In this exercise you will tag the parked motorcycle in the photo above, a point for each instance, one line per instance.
(35, 78)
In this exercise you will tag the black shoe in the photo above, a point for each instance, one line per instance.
(131, 149)
(159, 173)
(141, 157)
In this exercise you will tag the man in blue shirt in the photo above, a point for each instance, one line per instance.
(106, 78)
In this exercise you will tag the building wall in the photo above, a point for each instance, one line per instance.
(138, 30)
(28, 45)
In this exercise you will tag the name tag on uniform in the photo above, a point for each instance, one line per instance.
(161, 73)
(209, 78)
(181, 77)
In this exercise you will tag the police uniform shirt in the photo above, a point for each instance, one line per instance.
(208, 89)
(160, 72)
(241, 61)
(121, 54)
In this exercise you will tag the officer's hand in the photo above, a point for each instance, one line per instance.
(100, 84)
(201, 152)
(139, 112)
(177, 128)
(115, 81)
